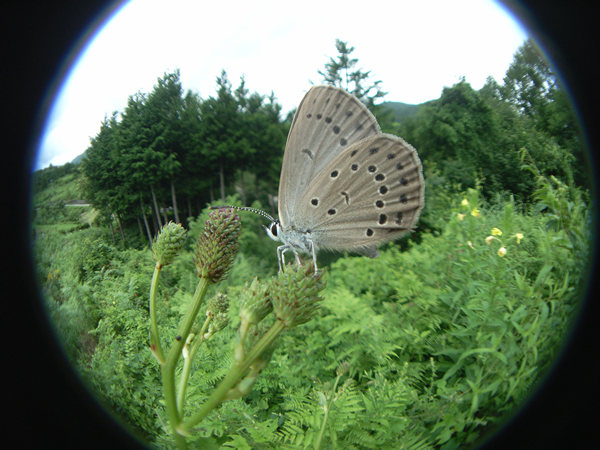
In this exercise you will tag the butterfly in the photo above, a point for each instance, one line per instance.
(344, 184)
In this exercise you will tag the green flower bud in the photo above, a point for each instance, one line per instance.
(217, 308)
(343, 369)
(295, 294)
(217, 245)
(219, 322)
(217, 304)
(255, 303)
(168, 243)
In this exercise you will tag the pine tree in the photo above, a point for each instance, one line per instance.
(341, 72)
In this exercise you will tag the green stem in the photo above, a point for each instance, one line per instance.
(154, 338)
(168, 369)
(326, 416)
(232, 378)
(187, 365)
(239, 350)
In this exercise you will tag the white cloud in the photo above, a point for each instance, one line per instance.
(415, 48)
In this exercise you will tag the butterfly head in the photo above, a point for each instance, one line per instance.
(273, 230)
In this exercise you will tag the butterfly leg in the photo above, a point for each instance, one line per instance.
(280, 256)
(297, 257)
(314, 254)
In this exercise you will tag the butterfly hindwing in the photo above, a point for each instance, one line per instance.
(328, 121)
(371, 192)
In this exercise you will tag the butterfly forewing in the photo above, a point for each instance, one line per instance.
(327, 122)
(371, 192)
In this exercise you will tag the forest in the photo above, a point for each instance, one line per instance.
(431, 345)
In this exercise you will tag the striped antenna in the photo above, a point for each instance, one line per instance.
(245, 208)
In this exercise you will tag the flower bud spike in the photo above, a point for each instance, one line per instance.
(217, 245)
(168, 243)
(295, 294)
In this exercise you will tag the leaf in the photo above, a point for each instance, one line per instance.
(542, 275)
(238, 442)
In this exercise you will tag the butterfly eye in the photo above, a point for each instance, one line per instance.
(273, 229)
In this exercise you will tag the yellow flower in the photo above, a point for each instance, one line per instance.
(501, 251)
(489, 239)
(470, 244)
(496, 232)
(461, 216)
(519, 236)
(475, 212)
(465, 202)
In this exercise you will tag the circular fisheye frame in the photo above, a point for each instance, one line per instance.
(426, 174)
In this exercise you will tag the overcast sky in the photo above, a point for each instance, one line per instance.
(415, 47)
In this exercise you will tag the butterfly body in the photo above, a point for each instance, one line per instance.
(296, 240)
(344, 185)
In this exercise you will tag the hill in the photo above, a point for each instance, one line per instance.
(56, 200)
(401, 110)
(78, 159)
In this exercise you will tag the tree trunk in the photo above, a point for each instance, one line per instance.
(165, 218)
(148, 232)
(242, 188)
(110, 218)
(222, 180)
(174, 199)
(156, 210)
(212, 194)
(137, 218)
(155, 227)
(189, 205)
(120, 227)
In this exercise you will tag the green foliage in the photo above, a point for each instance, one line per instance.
(401, 110)
(441, 340)
(475, 137)
(442, 336)
(42, 179)
(56, 189)
(167, 150)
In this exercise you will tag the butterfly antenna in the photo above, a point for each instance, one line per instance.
(245, 208)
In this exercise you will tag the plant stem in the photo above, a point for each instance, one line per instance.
(168, 369)
(154, 338)
(232, 377)
(326, 415)
(187, 365)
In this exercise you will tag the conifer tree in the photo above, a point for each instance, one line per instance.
(342, 72)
